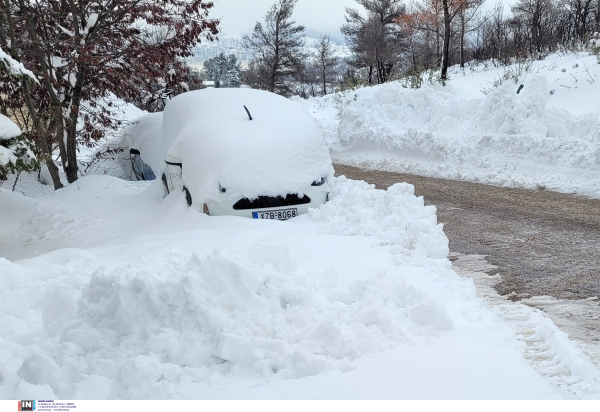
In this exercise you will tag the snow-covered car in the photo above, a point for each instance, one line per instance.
(144, 152)
(244, 152)
(135, 154)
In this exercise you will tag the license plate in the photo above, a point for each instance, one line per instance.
(283, 214)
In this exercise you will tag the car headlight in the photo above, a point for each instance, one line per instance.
(319, 183)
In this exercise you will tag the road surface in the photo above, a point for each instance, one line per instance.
(544, 243)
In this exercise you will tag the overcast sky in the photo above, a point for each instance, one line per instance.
(321, 16)
(240, 16)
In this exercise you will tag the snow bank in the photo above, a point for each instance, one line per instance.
(280, 151)
(138, 297)
(503, 138)
(146, 328)
(396, 217)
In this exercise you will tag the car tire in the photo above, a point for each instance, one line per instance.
(188, 196)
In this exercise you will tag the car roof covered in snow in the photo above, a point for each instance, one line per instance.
(281, 150)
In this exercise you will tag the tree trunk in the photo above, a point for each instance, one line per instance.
(71, 166)
(437, 32)
(462, 37)
(60, 133)
(52, 169)
(324, 75)
(446, 48)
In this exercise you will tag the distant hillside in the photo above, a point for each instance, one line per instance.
(233, 45)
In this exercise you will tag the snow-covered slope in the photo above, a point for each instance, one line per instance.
(547, 136)
(108, 292)
(234, 45)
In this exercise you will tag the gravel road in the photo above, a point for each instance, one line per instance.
(544, 243)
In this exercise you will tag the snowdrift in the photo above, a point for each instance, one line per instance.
(502, 138)
(166, 320)
(165, 302)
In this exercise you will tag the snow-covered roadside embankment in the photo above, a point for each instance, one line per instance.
(502, 138)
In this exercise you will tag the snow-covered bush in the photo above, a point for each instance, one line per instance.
(15, 154)
(413, 80)
(514, 73)
(595, 45)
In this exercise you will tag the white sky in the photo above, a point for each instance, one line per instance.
(240, 16)
(322, 16)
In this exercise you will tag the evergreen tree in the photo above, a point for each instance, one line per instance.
(278, 49)
(224, 71)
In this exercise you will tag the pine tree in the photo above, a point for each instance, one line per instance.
(277, 47)
(234, 72)
(223, 71)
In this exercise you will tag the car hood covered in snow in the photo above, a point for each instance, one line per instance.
(281, 150)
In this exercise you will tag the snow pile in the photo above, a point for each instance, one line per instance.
(502, 138)
(279, 151)
(396, 217)
(171, 319)
(139, 297)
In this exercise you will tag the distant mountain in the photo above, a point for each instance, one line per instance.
(234, 45)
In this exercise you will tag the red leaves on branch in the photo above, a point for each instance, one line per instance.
(85, 51)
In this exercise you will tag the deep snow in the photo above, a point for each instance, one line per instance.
(547, 136)
(108, 292)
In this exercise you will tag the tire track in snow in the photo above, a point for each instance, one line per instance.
(573, 368)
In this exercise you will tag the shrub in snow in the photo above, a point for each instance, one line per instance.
(595, 45)
(15, 154)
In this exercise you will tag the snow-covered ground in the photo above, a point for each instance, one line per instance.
(547, 136)
(107, 291)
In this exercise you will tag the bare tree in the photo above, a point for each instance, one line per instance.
(374, 39)
(582, 17)
(537, 16)
(451, 8)
(466, 13)
(277, 47)
(326, 59)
